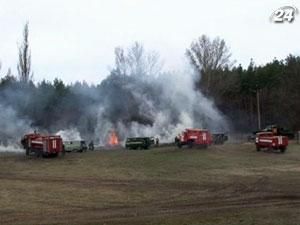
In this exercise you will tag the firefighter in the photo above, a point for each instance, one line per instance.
(157, 141)
(274, 130)
(176, 139)
(91, 145)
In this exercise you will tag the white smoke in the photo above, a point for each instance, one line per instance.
(70, 134)
(172, 107)
(11, 148)
(12, 128)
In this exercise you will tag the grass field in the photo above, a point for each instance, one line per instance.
(230, 184)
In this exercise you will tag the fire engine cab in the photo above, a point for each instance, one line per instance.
(194, 137)
(270, 141)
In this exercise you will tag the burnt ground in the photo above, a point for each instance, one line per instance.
(230, 184)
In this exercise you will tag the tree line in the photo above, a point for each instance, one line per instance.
(248, 97)
(251, 97)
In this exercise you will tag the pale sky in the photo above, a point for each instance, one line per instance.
(75, 39)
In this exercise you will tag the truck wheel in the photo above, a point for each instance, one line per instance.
(257, 148)
(190, 144)
(39, 153)
(179, 145)
(282, 149)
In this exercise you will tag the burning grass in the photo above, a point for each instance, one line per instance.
(230, 184)
(113, 139)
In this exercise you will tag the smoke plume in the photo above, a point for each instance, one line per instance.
(12, 127)
(134, 100)
(160, 106)
(70, 135)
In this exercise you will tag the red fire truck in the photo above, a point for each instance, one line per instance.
(194, 137)
(42, 145)
(271, 141)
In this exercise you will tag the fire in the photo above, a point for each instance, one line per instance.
(113, 139)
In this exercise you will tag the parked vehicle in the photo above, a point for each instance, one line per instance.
(78, 146)
(277, 130)
(219, 138)
(194, 137)
(42, 145)
(270, 141)
(138, 143)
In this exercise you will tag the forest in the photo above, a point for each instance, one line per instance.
(247, 97)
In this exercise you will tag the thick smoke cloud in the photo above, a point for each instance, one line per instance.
(134, 100)
(69, 135)
(160, 106)
(11, 126)
(145, 105)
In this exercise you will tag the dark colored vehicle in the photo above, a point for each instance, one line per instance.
(219, 138)
(42, 145)
(138, 143)
(270, 141)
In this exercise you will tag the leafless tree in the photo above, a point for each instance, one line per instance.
(24, 64)
(136, 61)
(120, 61)
(208, 55)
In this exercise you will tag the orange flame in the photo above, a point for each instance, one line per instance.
(113, 139)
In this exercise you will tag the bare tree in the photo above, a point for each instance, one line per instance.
(136, 61)
(153, 62)
(206, 56)
(24, 64)
(120, 61)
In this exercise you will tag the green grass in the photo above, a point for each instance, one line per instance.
(230, 184)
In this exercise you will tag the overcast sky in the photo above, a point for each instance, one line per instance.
(75, 39)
